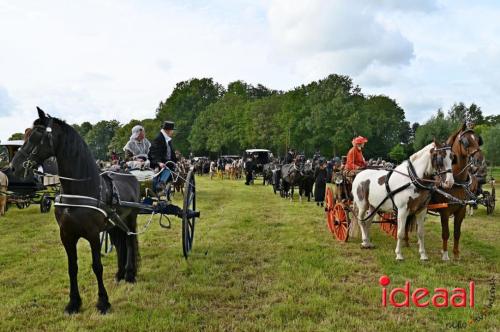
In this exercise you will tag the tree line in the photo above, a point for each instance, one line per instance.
(321, 116)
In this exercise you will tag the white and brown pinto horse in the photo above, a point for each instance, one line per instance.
(405, 189)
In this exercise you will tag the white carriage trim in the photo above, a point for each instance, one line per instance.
(84, 206)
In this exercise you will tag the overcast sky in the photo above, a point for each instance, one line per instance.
(116, 59)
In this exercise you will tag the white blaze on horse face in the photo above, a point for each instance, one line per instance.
(447, 163)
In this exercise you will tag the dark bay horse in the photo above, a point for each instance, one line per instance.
(290, 176)
(80, 177)
(466, 147)
(306, 181)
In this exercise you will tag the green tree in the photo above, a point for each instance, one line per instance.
(99, 137)
(16, 136)
(438, 127)
(397, 153)
(83, 129)
(188, 100)
(492, 144)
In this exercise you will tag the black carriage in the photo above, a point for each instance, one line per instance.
(158, 202)
(259, 157)
(37, 189)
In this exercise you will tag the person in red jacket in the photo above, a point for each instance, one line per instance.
(355, 159)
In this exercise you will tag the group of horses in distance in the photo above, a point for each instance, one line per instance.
(285, 177)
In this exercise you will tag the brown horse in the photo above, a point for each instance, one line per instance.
(466, 148)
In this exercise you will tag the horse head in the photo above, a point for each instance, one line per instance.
(41, 144)
(466, 146)
(441, 162)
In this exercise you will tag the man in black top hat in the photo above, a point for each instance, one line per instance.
(161, 149)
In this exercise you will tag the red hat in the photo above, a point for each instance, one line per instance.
(359, 140)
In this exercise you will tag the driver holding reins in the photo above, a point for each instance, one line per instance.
(355, 159)
(162, 154)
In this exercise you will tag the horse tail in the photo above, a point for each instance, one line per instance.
(132, 223)
(411, 223)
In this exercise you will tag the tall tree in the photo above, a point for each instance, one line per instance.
(99, 137)
(188, 100)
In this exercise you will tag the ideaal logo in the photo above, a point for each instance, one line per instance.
(422, 297)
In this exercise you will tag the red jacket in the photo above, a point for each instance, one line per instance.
(355, 159)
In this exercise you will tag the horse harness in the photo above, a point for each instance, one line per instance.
(414, 180)
(107, 202)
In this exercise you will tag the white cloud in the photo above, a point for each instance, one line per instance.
(94, 60)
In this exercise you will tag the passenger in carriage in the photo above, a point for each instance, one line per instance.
(355, 160)
(137, 149)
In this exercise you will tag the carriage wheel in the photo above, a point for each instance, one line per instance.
(45, 203)
(106, 245)
(341, 222)
(22, 204)
(329, 209)
(388, 223)
(188, 218)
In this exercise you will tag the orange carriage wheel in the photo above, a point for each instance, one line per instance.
(341, 222)
(389, 220)
(329, 209)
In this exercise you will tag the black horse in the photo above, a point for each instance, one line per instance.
(80, 177)
(306, 181)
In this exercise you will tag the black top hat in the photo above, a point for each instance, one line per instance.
(168, 125)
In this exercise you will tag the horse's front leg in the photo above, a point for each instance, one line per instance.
(457, 225)
(103, 304)
(402, 215)
(75, 301)
(445, 235)
(420, 232)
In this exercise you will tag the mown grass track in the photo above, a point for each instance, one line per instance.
(260, 263)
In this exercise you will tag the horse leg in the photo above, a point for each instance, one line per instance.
(103, 301)
(402, 215)
(132, 251)
(457, 225)
(75, 301)
(363, 225)
(445, 235)
(118, 241)
(420, 233)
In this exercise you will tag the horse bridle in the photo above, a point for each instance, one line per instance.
(32, 158)
(439, 161)
(471, 161)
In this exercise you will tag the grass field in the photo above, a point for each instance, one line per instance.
(260, 263)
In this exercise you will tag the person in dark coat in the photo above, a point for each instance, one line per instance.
(320, 182)
(161, 149)
(161, 152)
(249, 167)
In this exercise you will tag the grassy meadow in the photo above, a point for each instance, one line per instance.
(259, 263)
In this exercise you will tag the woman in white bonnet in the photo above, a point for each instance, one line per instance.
(137, 149)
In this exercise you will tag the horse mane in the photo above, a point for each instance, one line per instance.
(73, 148)
(452, 138)
(421, 152)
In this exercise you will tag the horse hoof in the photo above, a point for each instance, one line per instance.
(367, 246)
(103, 306)
(130, 279)
(73, 307)
(445, 256)
(119, 276)
(399, 258)
(424, 257)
